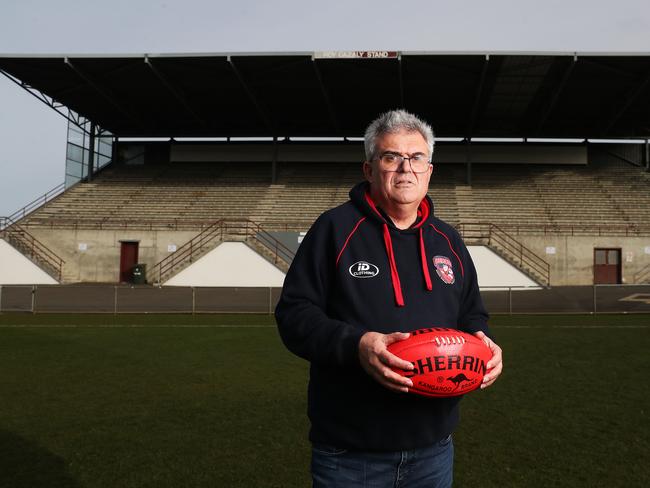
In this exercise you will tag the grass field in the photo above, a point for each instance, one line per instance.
(182, 401)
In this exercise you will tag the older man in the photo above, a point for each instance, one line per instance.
(367, 273)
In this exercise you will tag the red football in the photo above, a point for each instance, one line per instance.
(447, 362)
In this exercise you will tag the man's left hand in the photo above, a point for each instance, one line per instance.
(494, 365)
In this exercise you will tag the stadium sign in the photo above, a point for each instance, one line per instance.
(356, 55)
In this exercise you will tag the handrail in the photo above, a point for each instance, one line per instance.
(280, 251)
(627, 230)
(38, 202)
(642, 275)
(536, 260)
(33, 248)
(501, 240)
(247, 229)
(184, 252)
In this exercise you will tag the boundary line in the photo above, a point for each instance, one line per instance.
(234, 326)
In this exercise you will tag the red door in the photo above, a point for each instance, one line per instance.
(128, 259)
(607, 266)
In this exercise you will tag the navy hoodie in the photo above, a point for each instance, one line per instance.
(356, 272)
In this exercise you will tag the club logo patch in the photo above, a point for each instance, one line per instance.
(363, 269)
(444, 269)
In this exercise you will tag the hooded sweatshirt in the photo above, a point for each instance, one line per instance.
(356, 272)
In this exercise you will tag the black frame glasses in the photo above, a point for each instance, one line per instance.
(391, 161)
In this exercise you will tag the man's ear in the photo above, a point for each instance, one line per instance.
(367, 170)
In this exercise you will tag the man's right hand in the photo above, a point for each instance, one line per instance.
(377, 361)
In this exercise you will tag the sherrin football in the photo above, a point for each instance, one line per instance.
(447, 362)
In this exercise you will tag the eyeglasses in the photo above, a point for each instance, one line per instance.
(391, 161)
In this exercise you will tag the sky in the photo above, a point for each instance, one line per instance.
(33, 137)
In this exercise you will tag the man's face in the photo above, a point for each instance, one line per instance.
(400, 187)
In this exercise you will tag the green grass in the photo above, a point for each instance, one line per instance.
(140, 320)
(256, 320)
(132, 401)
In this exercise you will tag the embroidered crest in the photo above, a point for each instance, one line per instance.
(444, 269)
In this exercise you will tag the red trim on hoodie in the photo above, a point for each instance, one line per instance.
(370, 202)
(462, 270)
(425, 263)
(397, 285)
(348, 239)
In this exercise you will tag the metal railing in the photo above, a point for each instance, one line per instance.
(107, 223)
(119, 299)
(627, 230)
(36, 203)
(119, 224)
(509, 247)
(32, 248)
(278, 250)
(220, 231)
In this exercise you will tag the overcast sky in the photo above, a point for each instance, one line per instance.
(32, 136)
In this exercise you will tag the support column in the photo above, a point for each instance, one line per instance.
(646, 155)
(468, 160)
(114, 150)
(91, 152)
(274, 161)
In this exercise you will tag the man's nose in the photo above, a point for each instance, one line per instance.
(405, 166)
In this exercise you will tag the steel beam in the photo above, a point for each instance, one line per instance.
(74, 88)
(251, 96)
(103, 92)
(49, 101)
(628, 102)
(174, 91)
(612, 69)
(551, 105)
(330, 108)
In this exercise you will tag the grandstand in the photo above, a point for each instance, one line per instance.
(547, 209)
(518, 198)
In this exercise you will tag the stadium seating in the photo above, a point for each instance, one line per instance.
(191, 195)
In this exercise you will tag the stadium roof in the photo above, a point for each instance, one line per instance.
(337, 94)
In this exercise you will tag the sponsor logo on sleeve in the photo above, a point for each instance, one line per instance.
(444, 269)
(363, 269)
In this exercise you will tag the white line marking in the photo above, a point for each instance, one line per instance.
(234, 326)
(570, 327)
(141, 326)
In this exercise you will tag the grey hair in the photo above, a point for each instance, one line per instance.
(395, 121)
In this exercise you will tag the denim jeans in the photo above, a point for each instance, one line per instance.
(429, 467)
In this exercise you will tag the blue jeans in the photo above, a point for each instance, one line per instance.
(429, 467)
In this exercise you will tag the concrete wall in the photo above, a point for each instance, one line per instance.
(493, 271)
(94, 255)
(16, 269)
(571, 264)
(229, 264)
(573, 261)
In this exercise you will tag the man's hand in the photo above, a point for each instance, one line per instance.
(377, 360)
(494, 365)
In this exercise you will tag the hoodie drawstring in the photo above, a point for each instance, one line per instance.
(423, 214)
(397, 286)
(425, 264)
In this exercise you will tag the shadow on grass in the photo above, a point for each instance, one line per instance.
(24, 464)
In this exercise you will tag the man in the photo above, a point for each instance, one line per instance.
(367, 273)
